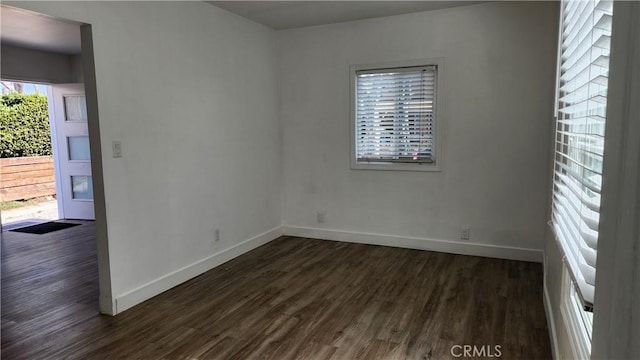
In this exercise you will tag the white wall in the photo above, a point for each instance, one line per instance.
(39, 66)
(497, 110)
(191, 91)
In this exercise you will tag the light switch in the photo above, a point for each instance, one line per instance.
(117, 149)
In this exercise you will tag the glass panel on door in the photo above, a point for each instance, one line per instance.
(78, 148)
(75, 108)
(82, 188)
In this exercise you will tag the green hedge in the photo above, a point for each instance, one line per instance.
(24, 125)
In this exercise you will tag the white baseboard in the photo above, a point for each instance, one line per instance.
(447, 246)
(107, 305)
(166, 282)
(548, 310)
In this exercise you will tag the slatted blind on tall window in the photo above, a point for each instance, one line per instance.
(581, 115)
(394, 115)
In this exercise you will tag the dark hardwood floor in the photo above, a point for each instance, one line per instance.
(293, 298)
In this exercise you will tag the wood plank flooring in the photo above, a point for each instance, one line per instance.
(293, 298)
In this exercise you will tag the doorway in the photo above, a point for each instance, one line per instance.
(45, 163)
(27, 169)
(31, 54)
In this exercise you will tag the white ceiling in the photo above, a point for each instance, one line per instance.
(36, 31)
(40, 32)
(292, 14)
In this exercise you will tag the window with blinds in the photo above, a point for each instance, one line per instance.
(395, 115)
(581, 115)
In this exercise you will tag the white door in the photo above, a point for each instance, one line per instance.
(68, 113)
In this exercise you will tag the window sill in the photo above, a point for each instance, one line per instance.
(382, 166)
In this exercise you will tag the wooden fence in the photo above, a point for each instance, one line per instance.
(26, 178)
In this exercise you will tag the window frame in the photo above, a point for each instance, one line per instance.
(436, 165)
(572, 262)
(574, 310)
(572, 314)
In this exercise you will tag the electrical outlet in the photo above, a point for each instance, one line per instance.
(217, 234)
(465, 233)
(322, 216)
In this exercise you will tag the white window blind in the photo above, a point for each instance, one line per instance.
(395, 115)
(581, 115)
